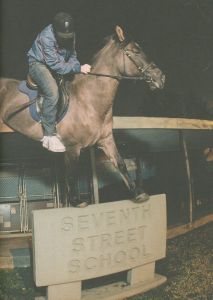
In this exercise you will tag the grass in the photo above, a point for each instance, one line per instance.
(187, 267)
(18, 284)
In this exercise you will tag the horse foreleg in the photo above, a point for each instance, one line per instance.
(109, 147)
(72, 177)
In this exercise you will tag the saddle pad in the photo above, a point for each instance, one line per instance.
(33, 94)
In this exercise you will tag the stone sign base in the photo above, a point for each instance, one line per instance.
(139, 280)
(115, 291)
(118, 291)
(71, 245)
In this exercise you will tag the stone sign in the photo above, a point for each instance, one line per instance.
(74, 244)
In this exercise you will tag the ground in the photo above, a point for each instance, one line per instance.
(186, 266)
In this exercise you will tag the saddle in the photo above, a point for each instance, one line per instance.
(30, 88)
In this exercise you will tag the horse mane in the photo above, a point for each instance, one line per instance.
(104, 45)
(73, 84)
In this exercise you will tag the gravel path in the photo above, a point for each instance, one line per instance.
(188, 268)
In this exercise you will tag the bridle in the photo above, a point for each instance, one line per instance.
(141, 69)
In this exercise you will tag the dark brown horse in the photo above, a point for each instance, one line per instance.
(89, 118)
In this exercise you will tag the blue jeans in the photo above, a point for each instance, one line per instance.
(49, 89)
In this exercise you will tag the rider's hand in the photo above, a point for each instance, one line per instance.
(85, 68)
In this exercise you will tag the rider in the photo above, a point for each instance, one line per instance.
(53, 53)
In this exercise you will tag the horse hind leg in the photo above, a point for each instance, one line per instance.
(109, 147)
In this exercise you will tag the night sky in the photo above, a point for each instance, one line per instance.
(176, 34)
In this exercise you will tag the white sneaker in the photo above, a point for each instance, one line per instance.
(53, 143)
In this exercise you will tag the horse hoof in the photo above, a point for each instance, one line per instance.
(141, 198)
(82, 204)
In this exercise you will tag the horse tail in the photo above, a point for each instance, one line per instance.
(9, 115)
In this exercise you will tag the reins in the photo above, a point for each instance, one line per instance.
(118, 77)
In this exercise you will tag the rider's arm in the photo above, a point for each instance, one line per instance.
(55, 61)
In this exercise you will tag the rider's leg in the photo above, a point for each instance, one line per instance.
(48, 86)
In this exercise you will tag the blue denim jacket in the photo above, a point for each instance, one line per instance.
(45, 49)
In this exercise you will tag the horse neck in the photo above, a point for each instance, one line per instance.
(106, 62)
(102, 89)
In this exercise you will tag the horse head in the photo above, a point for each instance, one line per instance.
(134, 62)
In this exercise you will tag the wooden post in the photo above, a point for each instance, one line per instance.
(94, 177)
(189, 177)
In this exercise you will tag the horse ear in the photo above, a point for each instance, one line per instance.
(120, 33)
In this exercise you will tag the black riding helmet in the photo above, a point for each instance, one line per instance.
(63, 25)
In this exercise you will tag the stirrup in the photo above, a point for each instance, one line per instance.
(30, 83)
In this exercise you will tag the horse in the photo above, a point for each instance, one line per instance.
(89, 118)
